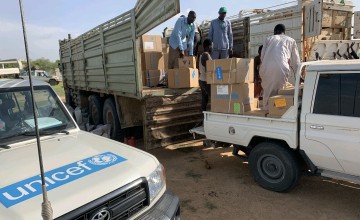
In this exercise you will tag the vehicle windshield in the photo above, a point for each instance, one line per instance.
(17, 118)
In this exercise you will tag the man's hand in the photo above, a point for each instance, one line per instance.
(231, 52)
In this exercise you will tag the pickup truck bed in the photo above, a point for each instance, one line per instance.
(241, 129)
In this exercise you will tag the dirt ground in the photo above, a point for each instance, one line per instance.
(227, 190)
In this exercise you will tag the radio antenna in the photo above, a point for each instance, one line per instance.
(46, 210)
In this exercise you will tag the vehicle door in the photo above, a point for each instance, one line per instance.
(334, 119)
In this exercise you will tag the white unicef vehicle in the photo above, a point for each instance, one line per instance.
(87, 176)
(320, 128)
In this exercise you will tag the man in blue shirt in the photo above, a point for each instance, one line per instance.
(220, 33)
(184, 29)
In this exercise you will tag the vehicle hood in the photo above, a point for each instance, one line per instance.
(79, 168)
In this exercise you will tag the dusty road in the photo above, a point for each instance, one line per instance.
(228, 191)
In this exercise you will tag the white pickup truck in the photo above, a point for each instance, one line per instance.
(87, 176)
(321, 129)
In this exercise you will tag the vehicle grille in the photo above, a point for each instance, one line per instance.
(122, 203)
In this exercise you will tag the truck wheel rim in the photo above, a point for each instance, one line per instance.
(271, 168)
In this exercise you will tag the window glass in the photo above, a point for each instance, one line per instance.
(338, 94)
(327, 95)
(350, 95)
(17, 118)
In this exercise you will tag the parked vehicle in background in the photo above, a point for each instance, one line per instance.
(10, 68)
(41, 75)
(87, 176)
(320, 28)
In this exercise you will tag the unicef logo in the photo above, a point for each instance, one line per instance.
(103, 159)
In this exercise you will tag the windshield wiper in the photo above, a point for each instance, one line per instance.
(42, 133)
(5, 146)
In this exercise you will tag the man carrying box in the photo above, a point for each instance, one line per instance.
(205, 88)
(220, 33)
(279, 54)
(184, 27)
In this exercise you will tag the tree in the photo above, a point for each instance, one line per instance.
(43, 64)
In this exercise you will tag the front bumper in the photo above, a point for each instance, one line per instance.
(167, 208)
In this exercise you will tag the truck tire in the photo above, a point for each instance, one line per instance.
(52, 82)
(274, 167)
(111, 117)
(95, 110)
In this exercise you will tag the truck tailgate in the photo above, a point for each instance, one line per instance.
(240, 129)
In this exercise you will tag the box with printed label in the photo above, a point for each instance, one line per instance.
(233, 98)
(278, 105)
(151, 43)
(152, 61)
(183, 78)
(187, 62)
(154, 77)
(165, 45)
(230, 71)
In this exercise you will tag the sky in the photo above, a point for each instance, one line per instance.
(48, 21)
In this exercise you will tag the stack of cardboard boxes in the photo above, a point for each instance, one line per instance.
(232, 87)
(186, 76)
(152, 59)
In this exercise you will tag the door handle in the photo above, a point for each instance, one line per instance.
(317, 127)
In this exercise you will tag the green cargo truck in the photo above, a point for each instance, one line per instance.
(102, 74)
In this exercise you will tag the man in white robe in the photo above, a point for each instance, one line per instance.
(279, 57)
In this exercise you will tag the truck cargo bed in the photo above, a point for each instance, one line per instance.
(241, 129)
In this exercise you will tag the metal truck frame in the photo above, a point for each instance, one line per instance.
(102, 74)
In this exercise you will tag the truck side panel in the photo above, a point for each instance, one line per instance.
(102, 59)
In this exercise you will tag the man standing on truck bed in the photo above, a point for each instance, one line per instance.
(220, 33)
(184, 27)
(279, 54)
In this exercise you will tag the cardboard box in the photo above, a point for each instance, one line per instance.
(187, 62)
(166, 60)
(340, 18)
(327, 18)
(183, 78)
(233, 98)
(165, 45)
(230, 71)
(152, 61)
(257, 113)
(290, 90)
(278, 105)
(151, 43)
(153, 77)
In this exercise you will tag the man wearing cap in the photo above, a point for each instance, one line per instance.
(279, 57)
(220, 33)
(184, 29)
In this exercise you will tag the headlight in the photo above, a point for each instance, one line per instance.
(156, 181)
